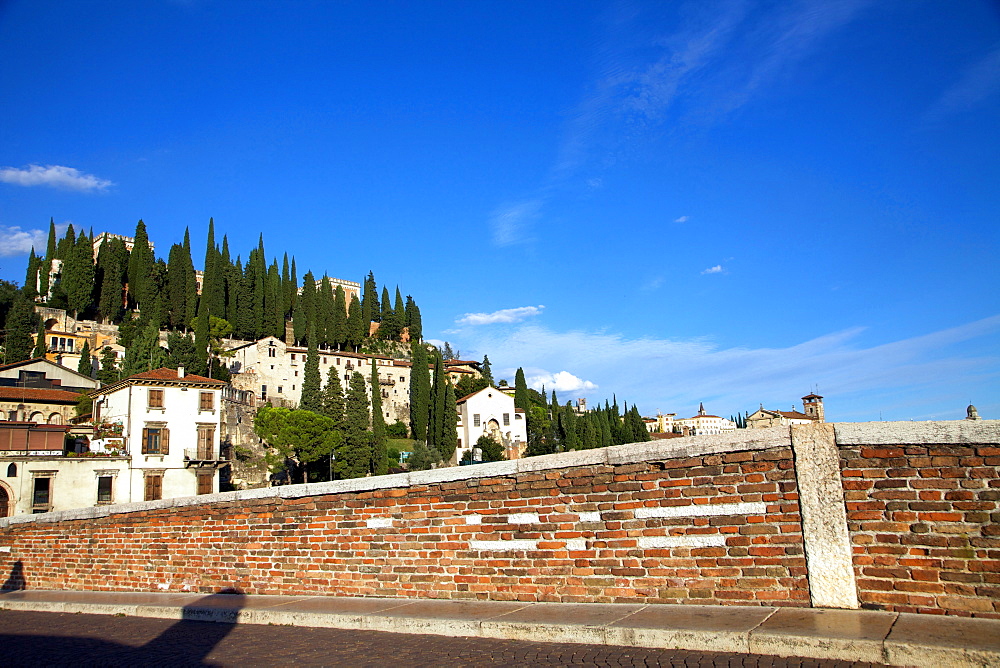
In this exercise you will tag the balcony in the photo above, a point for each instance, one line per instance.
(202, 457)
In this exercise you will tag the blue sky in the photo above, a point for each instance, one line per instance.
(675, 202)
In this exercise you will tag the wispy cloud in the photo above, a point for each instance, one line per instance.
(503, 316)
(562, 381)
(681, 219)
(674, 375)
(511, 223)
(979, 81)
(15, 241)
(717, 269)
(55, 176)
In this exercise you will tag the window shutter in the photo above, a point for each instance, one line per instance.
(164, 441)
(149, 488)
(158, 486)
(145, 440)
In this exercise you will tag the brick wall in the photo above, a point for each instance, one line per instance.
(735, 519)
(925, 527)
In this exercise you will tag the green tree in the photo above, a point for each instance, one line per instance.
(379, 463)
(312, 399)
(354, 456)
(218, 329)
(299, 435)
(46, 265)
(21, 322)
(39, 349)
(112, 263)
(338, 324)
(414, 324)
(305, 308)
(145, 352)
(30, 277)
(78, 275)
(521, 398)
(86, 365)
(492, 451)
(140, 264)
(357, 326)
(420, 390)
(108, 373)
(423, 457)
(487, 371)
(333, 398)
(369, 301)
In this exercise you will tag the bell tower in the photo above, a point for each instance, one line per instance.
(812, 405)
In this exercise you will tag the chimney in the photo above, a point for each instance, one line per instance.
(180, 372)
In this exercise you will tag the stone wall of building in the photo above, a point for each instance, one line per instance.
(750, 518)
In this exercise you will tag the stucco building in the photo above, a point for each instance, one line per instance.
(812, 412)
(490, 412)
(703, 423)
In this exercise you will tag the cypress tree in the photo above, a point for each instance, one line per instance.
(46, 265)
(449, 422)
(369, 301)
(487, 371)
(312, 399)
(86, 365)
(324, 312)
(435, 422)
(201, 336)
(191, 284)
(386, 310)
(286, 282)
(50, 247)
(338, 322)
(108, 373)
(293, 289)
(521, 398)
(39, 349)
(140, 263)
(305, 309)
(65, 245)
(274, 322)
(354, 454)
(21, 321)
(176, 287)
(259, 287)
(420, 387)
(113, 259)
(333, 398)
(78, 275)
(357, 328)
(30, 288)
(379, 462)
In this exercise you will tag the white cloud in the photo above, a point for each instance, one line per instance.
(15, 241)
(56, 176)
(503, 316)
(682, 219)
(901, 376)
(562, 381)
(511, 223)
(717, 269)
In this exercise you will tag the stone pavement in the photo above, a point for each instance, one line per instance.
(838, 635)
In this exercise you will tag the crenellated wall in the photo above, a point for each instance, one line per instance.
(897, 516)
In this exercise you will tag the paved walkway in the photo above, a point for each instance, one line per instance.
(844, 635)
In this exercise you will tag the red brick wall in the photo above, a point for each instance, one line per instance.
(418, 541)
(923, 522)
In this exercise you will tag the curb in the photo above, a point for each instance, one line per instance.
(896, 639)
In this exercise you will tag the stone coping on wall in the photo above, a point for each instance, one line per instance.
(848, 434)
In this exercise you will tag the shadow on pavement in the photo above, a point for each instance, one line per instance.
(204, 624)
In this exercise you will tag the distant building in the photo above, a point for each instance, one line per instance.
(703, 423)
(41, 391)
(490, 412)
(812, 413)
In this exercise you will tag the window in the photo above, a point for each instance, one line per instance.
(272, 353)
(475, 419)
(12, 470)
(155, 399)
(155, 440)
(154, 486)
(296, 373)
(506, 419)
(104, 489)
(263, 392)
(207, 401)
(206, 483)
(324, 360)
(41, 493)
(280, 389)
(293, 357)
(206, 442)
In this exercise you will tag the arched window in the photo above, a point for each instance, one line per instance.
(37, 418)
(12, 470)
(55, 418)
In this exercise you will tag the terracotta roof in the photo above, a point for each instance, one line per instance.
(795, 415)
(812, 396)
(163, 373)
(36, 394)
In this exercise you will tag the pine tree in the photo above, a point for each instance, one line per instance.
(145, 352)
(380, 462)
(86, 365)
(446, 352)
(487, 371)
(420, 387)
(182, 352)
(354, 454)
(312, 399)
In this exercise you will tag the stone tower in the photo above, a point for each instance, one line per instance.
(812, 405)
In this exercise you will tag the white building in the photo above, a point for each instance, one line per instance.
(155, 435)
(491, 412)
(273, 370)
(703, 423)
(168, 422)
